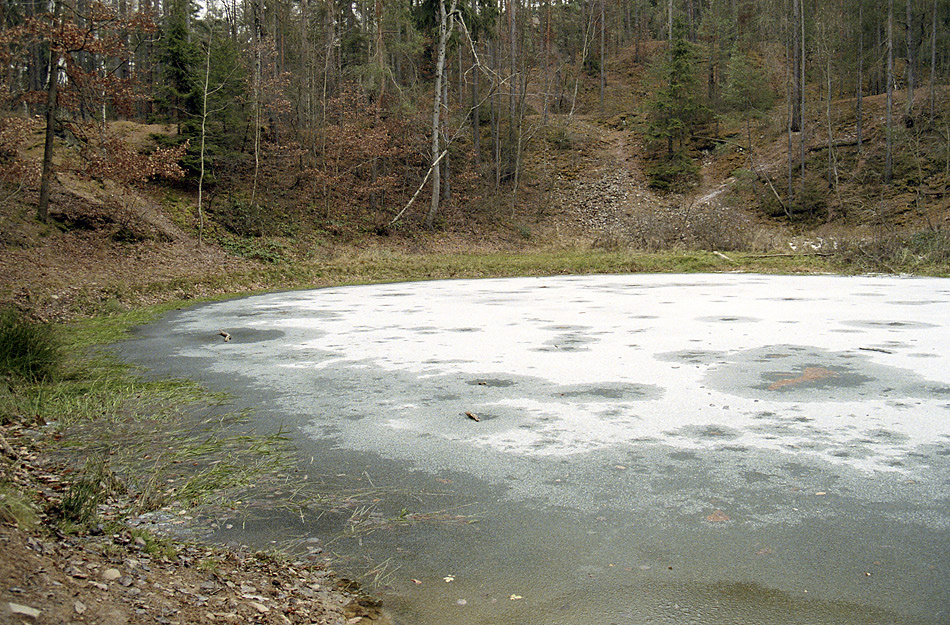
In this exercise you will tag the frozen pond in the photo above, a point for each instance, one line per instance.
(648, 448)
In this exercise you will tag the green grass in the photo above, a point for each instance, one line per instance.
(78, 510)
(16, 507)
(28, 350)
(384, 266)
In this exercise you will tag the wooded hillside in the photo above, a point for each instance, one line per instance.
(382, 116)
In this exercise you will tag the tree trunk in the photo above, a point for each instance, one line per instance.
(547, 62)
(513, 82)
(381, 50)
(495, 121)
(476, 115)
(796, 66)
(801, 93)
(52, 104)
(790, 111)
(889, 130)
(933, 61)
(860, 87)
(603, 54)
(911, 62)
(636, 32)
(832, 155)
(204, 121)
(446, 164)
(256, 96)
(445, 22)
(669, 26)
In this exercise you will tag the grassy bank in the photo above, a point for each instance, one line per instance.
(129, 304)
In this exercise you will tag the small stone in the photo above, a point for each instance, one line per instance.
(260, 607)
(23, 610)
(111, 575)
(74, 572)
(79, 606)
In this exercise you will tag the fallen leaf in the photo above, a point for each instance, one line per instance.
(820, 493)
(718, 516)
(472, 416)
(416, 581)
(449, 579)
(809, 374)
(516, 597)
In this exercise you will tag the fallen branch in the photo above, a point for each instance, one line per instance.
(789, 254)
(840, 144)
(227, 337)
(472, 416)
(419, 190)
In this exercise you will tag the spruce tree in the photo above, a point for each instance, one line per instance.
(675, 110)
(181, 66)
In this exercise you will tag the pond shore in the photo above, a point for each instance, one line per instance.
(114, 575)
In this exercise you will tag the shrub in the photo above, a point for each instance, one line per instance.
(921, 252)
(561, 138)
(28, 350)
(673, 172)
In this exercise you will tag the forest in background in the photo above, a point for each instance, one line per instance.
(383, 114)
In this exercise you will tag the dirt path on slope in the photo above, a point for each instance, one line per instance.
(610, 192)
(605, 191)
